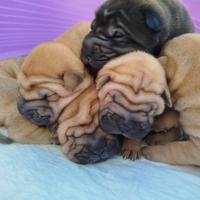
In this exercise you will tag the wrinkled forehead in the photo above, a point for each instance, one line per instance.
(118, 8)
(108, 15)
(135, 62)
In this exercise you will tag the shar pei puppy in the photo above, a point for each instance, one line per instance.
(132, 90)
(57, 92)
(181, 61)
(79, 132)
(122, 26)
(20, 129)
(52, 76)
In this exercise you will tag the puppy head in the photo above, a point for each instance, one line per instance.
(132, 91)
(79, 134)
(121, 27)
(91, 148)
(52, 76)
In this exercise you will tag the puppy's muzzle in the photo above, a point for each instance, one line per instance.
(36, 111)
(127, 124)
(101, 150)
(95, 53)
(93, 148)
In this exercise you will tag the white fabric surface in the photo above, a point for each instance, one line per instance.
(34, 172)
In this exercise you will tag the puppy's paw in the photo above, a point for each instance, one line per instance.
(131, 149)
(152, 153)
(55, 141)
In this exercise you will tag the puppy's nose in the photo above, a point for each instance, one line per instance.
(109, 122)
(41, 115)
(130, 128)
(101, 150)
(136, 129)
(37, 118)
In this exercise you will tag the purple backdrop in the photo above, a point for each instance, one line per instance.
(25, 23)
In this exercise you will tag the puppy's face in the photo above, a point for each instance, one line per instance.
(78, 131)
(52, 76)
(91, 148)
(130, 92)
(122, 26)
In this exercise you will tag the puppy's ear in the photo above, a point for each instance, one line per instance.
(72, 79)
(153, 20)
(167, 97)
(101, 81)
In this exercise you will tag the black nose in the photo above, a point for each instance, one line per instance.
(101, 150)
(38, 115)
(92, 55)
(131, 128)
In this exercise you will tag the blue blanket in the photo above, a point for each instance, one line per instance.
(34, 172)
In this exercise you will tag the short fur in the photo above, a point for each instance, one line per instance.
(130, 90)
(122, 26)
(78, 131)
(52, 76)
(181, 60)
(57, 92)
(19, 129)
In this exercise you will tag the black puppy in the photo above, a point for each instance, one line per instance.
(122, 26)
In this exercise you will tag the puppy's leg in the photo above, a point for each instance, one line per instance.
(163, 137)
(177, 153)
(131, 149)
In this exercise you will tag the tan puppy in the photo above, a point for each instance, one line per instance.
(19, 129)
(57, 91)
(78, 131)
(52, 76)
(130, 89)
(181, 60)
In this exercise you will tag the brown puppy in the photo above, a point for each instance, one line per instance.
(18, 128)
(78, 131)
(130, 89)
(52, 76)
(53, 89)
(181, 60)
(122, 26)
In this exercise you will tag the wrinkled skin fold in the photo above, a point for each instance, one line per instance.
(52, 76)
(181, 61)
(130, 89)
(122, 26)
(78, 131)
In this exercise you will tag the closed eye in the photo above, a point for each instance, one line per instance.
(48, 95)
(53, 97)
